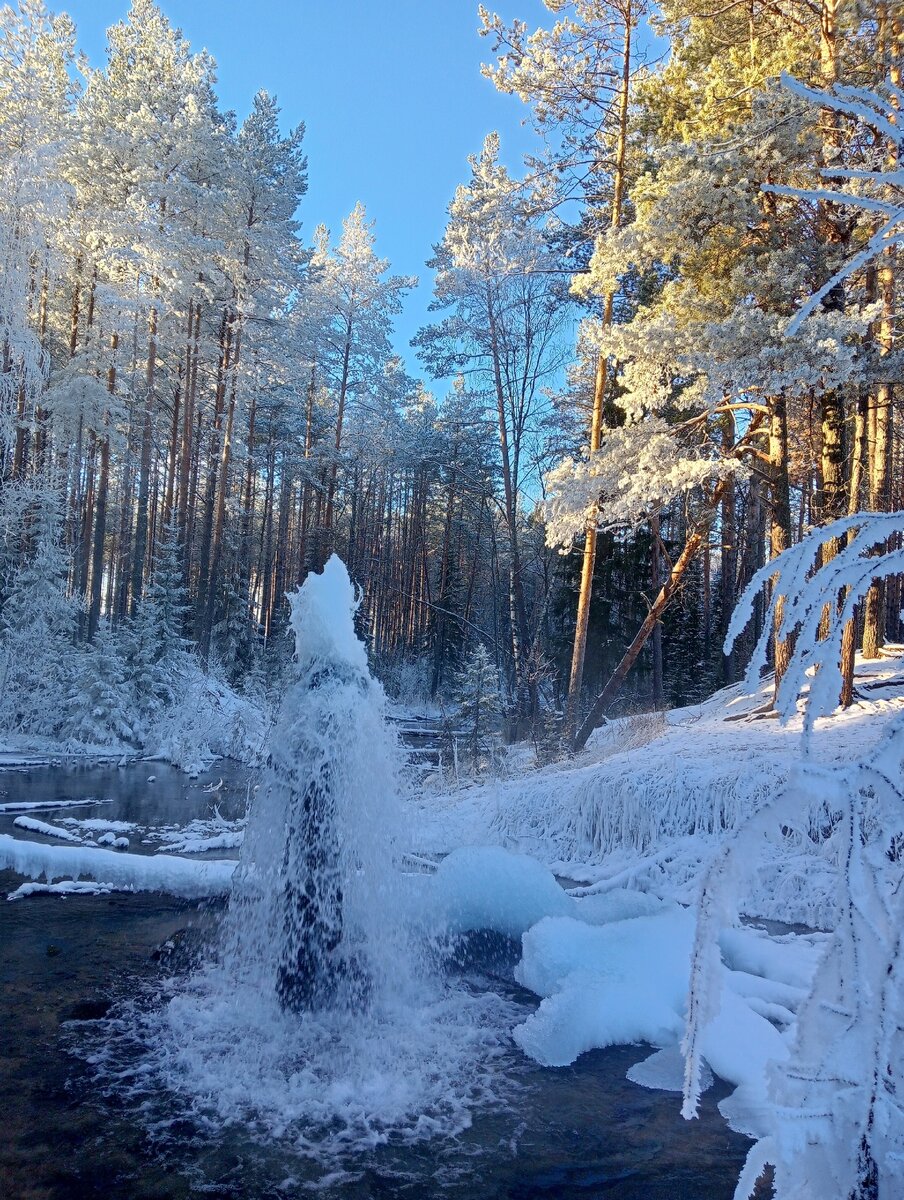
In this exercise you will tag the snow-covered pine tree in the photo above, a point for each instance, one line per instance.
(158, 652)
(499, 281)
(37, 630)
(100, 699)
(479, 703)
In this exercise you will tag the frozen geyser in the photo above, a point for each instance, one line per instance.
(317, 862)
(322, 1015)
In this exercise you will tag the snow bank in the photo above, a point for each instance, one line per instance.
(648, 812)
(144, 873)
(791, 960)
(627, 982)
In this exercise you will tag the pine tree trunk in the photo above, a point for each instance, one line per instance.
(210, 492)
(656, 574)
(849, 633)
(218, 529)
(729, 559)
(879, 477)
(780, 520)
(139, 547)
(328, 533)
(588, 564)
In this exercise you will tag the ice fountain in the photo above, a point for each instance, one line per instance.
(311, 898)
(323, 1017)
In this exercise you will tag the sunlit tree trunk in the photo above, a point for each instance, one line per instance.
(579, 651)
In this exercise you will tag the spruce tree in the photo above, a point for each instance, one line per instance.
(39, 623)
(479, 702)
(158, 651)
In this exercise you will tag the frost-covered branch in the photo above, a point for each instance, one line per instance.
(880, 113)
(812, 596)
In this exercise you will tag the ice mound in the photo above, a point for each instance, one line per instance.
(486, 887)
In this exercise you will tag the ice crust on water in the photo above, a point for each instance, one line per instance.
(138, 872)
(613, 969)
(486, 887)
(603, 986)
(67, 887)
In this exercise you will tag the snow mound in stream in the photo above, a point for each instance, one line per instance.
(614, 969)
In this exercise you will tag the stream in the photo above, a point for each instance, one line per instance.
(75, 971)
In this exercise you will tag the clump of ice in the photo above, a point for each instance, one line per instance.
(486, 887)
(67, 887)
(627, 982)
(33, 825)
(604, 985)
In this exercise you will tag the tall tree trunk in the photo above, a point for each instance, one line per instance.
(328, 532)
(139, 547)
(219, 524)
(656, 574)
(588, 564)
(185, 449)
(779, 519)
(525, 701)
(210, 491)
(849, 633)
(729, 557)
(881, 421)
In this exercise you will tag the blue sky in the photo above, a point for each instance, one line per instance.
(390, 92)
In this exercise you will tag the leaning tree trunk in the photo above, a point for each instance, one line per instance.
(657, 608)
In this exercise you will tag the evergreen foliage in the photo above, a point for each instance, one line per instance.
(479, 703)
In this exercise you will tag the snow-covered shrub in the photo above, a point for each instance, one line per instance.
(407, 682)
(626, 733)
(206, 720)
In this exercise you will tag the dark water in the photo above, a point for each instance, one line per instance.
(579, 1132)
(149, 794)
